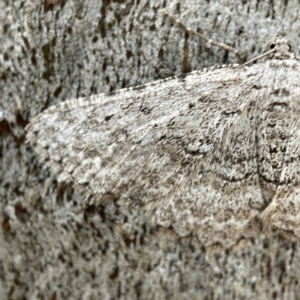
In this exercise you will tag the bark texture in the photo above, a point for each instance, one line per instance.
(56, 50)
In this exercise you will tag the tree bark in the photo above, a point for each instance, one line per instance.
(56, 50)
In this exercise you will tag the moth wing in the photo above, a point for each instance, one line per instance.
(279, 159)
(180, 140)
(222, 200)
(282, 214)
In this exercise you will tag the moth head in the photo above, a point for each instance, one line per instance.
(277, 48)
(281, 47)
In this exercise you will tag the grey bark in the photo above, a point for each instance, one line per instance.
(58, 50)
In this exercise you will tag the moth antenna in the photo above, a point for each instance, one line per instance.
(203, 37)
(260, 56)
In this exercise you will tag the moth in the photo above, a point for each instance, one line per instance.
(213, 153)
